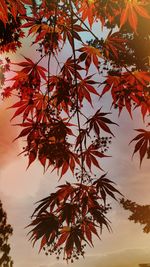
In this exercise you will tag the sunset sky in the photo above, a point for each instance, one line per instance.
(126, 245)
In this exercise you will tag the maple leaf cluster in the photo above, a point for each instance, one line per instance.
(4, 67)
(128, 90)
(53, 105)
(69, 218)
(11, 17)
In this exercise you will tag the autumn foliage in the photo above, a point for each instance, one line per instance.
(50, 104)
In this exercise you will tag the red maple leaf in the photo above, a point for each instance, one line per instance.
(87, 10)
(99, 121)
(90, 157)
(105, 187)
(143, 144)
(3, 12)
(90, 54)
(114, 44)
(31, 68)
(86, 88)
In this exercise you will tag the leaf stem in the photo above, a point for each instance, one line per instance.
(76, 86)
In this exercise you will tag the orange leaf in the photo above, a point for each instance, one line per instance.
(130, 13)
(124, 16)
(43, 242)
(142, 11)
(132, 18)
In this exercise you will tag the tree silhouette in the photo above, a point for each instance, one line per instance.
(51, 96)
(140, 213)
(144, 265)
(5, 232)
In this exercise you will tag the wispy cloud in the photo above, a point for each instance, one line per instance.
(122, 258)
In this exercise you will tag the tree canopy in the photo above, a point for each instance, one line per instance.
(140, 213)
(52, 92)
(5, 232)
